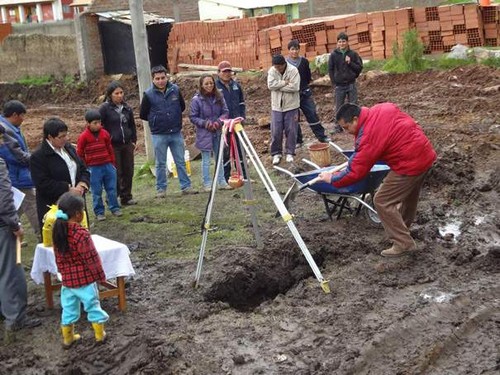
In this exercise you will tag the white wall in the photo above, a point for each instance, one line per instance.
(212, 11)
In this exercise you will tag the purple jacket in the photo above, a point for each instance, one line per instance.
(204, 109)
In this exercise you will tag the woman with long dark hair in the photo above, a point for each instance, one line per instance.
(208, 110)
(118, 119)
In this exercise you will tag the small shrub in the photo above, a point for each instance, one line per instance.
(410, 58)
(494, 62)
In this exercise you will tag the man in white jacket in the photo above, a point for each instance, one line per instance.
(283, 80)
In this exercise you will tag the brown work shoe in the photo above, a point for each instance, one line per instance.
(396, 251)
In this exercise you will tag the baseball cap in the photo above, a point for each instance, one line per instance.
(224, 66)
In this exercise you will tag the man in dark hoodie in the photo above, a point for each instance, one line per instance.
(344, 66)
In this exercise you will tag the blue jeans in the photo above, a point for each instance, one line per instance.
(103, 175)
(161, 143)
(205, 163)
(345, 91)
(88, 295)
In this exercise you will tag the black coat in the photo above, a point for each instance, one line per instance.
(121, 130)
(51, 177)
(342, 73)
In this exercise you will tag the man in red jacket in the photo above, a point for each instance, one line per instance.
(384, 132)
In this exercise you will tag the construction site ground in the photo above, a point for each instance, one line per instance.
(262, 311)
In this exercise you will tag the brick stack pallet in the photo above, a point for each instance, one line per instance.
(209, 42)
(250, 43)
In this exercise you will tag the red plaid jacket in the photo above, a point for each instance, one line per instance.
(81, 265)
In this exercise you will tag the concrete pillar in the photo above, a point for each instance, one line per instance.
(3, 12)
(57, 10)
(22, 14)
(39, 13)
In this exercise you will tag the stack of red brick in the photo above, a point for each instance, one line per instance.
(209, 42)
(374, 34)
(250, 43)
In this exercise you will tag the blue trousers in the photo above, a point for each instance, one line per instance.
(103, 175)
(89, 296)
(161, 143)
(308, 108)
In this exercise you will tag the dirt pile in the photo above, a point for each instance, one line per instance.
(263, 312)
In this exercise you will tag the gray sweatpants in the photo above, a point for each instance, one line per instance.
(284, 122)
(13, 289)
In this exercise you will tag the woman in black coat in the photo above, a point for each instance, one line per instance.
(118, 119)
(56, 168)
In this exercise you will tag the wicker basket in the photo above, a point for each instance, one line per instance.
(320, 154)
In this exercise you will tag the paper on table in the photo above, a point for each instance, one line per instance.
(18, 197)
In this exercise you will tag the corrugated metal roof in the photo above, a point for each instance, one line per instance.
(255, 3)
(124, 16)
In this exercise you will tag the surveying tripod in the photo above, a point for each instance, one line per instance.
(235, 126)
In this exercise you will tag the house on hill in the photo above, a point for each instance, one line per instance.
(22, 11)
(222, 9)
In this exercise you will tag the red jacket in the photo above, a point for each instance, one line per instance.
(81, 265)
(95, 149)
(388, 134)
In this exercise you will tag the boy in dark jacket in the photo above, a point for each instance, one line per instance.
(307, 105)
(94, 148)
(344, 66)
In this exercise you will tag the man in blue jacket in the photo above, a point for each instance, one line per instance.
(235, 101)
(16, 154)
(162, 106)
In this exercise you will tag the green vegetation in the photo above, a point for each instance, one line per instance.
(494, 62)
(445, 63)
(410, 58)
(35, 81)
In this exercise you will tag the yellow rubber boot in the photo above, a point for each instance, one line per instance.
(100, 335)
(69, 335)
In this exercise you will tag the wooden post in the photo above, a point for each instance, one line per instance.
(142, 62)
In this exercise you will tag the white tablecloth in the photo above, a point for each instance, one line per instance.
(114, 256)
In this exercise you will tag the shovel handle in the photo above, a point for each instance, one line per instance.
(318, 179)
(18, 250)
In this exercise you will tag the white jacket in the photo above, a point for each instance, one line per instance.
(284, 96)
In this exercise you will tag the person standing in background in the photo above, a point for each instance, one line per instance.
(283, 80)
(307, 105)
(344, 66)
(235, 101)
(207, 112)
(16, 154)
(162, 106)
(118, 119)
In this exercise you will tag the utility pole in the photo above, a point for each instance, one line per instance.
(177, 12)
(142, 62)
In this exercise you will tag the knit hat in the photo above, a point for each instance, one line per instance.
(224, 66)
(278, 60)
(342, 36)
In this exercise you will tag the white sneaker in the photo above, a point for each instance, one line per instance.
(289, 158)
(276, 159)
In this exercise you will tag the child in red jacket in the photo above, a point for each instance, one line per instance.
(81, 268)
(95, 149)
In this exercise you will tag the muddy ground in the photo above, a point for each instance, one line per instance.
(263, 312)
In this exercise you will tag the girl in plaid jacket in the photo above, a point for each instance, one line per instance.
(80, 266)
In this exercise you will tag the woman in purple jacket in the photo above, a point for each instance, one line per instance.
(207, 112)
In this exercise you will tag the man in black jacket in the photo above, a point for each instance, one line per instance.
(344, 66)
(307, 105)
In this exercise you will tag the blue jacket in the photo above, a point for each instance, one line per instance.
(18, 165)
(233, 95)
(204, 109)
(163, 110)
